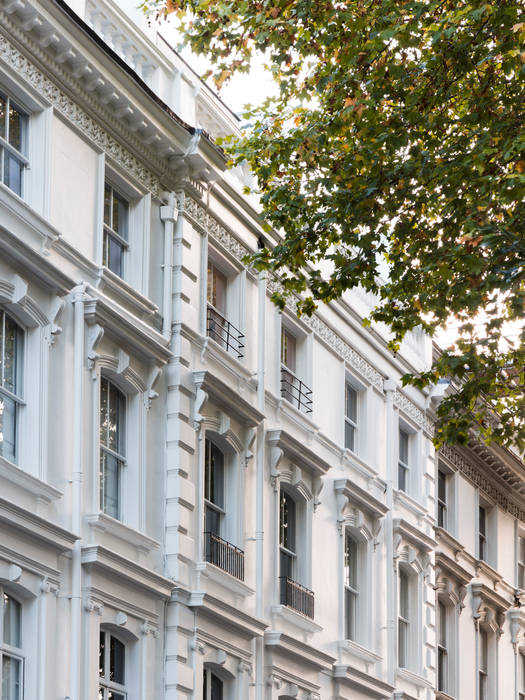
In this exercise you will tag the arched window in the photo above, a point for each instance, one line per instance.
(11, 340)
(112, 667)
(212, 687)
(12, 662)
(112, 447)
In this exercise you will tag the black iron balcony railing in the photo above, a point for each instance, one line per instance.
(224, 333)
(224, 555)
(297, 597)
(295, 391)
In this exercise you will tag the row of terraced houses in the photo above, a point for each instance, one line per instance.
(202, 497)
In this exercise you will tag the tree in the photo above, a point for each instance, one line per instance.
(398, 133)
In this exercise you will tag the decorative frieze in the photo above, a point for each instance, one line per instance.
(69, 109)
(482, 482)
(412, 411)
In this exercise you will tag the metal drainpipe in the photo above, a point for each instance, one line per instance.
(76, 506)
(259, 507)
(389, 387)
(168, 217)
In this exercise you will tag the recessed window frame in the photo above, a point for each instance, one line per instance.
(520, 560)
(352, 585)
(212, 685)
(11, 392)
(287, 535)
(403, 468)
(482, 532)
(214, 487)
(483, 664)
(403, 619)
(443, 647)
(351, 434)
(442, 498)
(119, 238)
(107, 452)
(9, 649)
(8, 151)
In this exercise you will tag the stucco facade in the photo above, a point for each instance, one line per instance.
(201, 497)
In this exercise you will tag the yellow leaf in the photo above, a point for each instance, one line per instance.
(518, 27)
(520, 166)
(349, 102)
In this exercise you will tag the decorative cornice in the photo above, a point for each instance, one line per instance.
(416, 414)
(74, 114)
(482, 482)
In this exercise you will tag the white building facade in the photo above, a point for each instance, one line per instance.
(202, 497)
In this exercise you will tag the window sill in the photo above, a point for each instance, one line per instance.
(106, 524)
(414, 678)
(304, 623)
(27, 482)
(410, 503)
(298, 417)
(226, 359)
(440, 695)
(359, 651)
(109, 282)
(226, 580)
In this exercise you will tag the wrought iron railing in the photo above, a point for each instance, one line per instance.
(224, 333)
(224, 555)
(297, 597)
(295, 391)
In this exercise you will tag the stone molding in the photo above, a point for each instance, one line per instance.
(74, 114)
(416, 414)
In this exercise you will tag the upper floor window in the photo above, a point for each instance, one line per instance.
(213, 487)
(442, 499)
(115, 239)
(403, 619)
(351, 586)
(483, 664)
(521, 562)
(482, 533)
(112, 447)
(12, 661)
(111, 668)
(13, 140)
(218, 550)
(293, 389)
(11, 339)
(403, 471)
(351, 396)
(287, 522)
(218, 325)
(212, 686)
(443, 644)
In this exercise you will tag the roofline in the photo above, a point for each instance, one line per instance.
(91, 34)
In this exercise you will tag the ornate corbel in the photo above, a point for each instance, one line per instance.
(317, 487)
(200, 399)
(341, 500)
(93, 606)
(93, 337)
(276, 454)
(52, 329)
(47, 586)
(248, 445)
(150, 394)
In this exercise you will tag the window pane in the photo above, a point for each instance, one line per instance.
(107, 205)
(522, 550)
(102, 655)
(12, 615)
(402, 639)
(350, 613)
(216, 688)
(10, 354)
(288, 344)
(7, 427)
(216, 288)
(351, 562)
(104, 391)
(349, 436)
(442, 613)
(442, 487)
(115, 417)
(212, 521)
(482, 521)
(3, 121)
(287, 521)
(112, 695)
(351, 403)
(16, 128)
(116, 661)
(483, 650)
(109, 484)
(402, 478)
(403, 446)
(12, 173)
(286, 564)
(11, 678)
(403, 595)
(114, 255)
(120, 215)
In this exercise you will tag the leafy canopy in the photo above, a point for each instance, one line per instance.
(397, 133)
